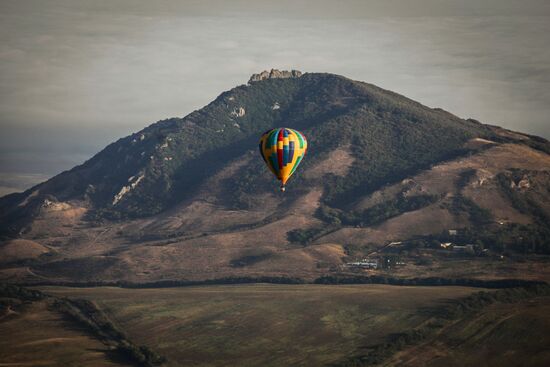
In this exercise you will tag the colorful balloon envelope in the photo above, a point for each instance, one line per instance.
(282, 150)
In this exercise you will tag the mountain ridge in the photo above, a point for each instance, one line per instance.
(149, 150)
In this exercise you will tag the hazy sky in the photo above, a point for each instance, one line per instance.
(76, 75)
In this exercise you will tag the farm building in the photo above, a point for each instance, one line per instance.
(365, 263)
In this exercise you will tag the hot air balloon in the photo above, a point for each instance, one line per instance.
(282, 150)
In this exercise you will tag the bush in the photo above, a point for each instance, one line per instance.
(302, 236)
(378, 213)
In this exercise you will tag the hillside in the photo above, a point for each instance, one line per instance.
(189, 198)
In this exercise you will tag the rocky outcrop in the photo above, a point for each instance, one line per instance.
(238, 112)
(274, 74)
(127, 189)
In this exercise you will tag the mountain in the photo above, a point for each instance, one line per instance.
(189, 198)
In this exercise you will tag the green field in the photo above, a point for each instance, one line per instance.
(264, 325)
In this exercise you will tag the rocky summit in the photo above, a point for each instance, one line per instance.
(274, 74)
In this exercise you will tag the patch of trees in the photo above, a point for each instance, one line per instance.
(377, 213)
(176, 283)
(525, 239)
(217, 281)
(13, 296)
(303, 236)
(531, 238)
(87, 314)
(536, 142)
(142, 355)
(432, 281)
(478, 216)
(356, 250)
(391, 144)
(31, 262)
(327, 279)
(521, 201)
(395, 342)
(249, 260)
(18, 292)
(94, 320)
(477, 301)
(465, 177)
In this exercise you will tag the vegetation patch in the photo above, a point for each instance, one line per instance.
(377, 213)
(506, 238)
(303, 236)
(522, 201)
(174, 283)
(478, 216)
(432, 281)
(465, 177)
(249, 260)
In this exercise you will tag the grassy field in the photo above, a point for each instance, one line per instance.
(501, 335)
(37, 336)
(264, 325)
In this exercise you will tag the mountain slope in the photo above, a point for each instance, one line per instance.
(190, 198)
(146, 172)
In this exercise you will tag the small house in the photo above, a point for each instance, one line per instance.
(365, 263)
(465, 248)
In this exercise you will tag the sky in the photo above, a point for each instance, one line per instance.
(77, 75)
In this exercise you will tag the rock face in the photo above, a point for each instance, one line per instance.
(238, 112)
(274, 74)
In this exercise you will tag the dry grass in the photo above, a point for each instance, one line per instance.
(16, 250)
(36, 336)
(263, 325)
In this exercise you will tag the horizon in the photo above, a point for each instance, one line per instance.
(77, 76)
